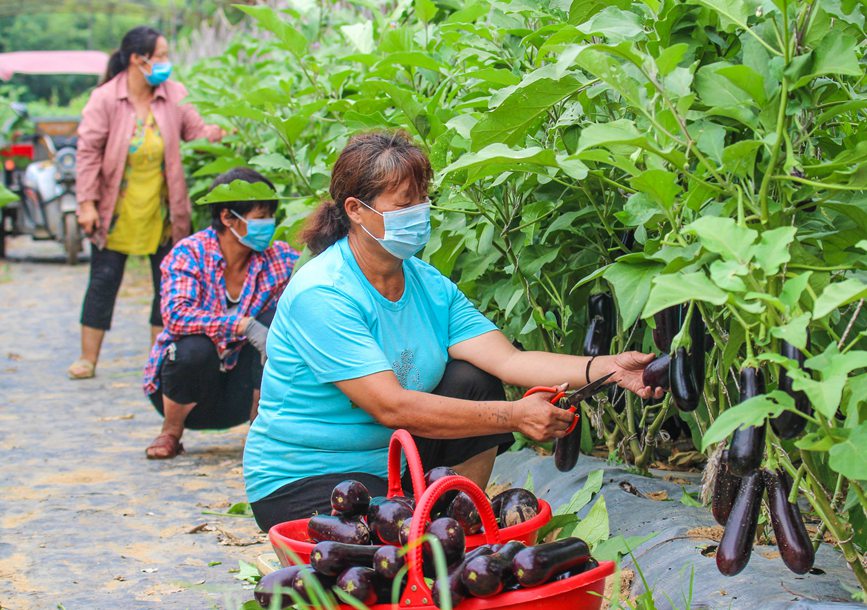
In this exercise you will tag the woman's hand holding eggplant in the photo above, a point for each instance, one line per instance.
(628, 369)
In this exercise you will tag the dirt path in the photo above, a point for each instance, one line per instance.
(85, 520)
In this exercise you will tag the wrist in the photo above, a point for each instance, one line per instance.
(88, 205)
(599, 366)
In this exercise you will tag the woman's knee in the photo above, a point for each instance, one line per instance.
(193, 352)
(464, 380)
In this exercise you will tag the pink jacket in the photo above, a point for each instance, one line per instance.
(106, 128)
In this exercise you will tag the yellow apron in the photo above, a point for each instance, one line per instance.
(140, 222)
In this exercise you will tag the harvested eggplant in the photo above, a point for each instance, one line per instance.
(684, 388)
(566, 452)
(793, 542)
(655, 374)
(430, 477)
(331, 558)
(536, 565)
(350, 498)
(519, 502)
(306, 580)
(451, 537)
(725, 490)
(490, 574)
(464, 511)
(388, 560)
(387, 518)
(736, 545)
(340, 529)
(590, 564)
(788, 424)
(747, 445)
(453, 581)
(358, 582)
(267, 587)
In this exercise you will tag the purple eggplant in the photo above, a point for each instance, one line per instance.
(331, 558)
(340, 529)
(667, 324)
(736, 545)
(684, 388)
(725, 490)
(350, 498)
(537, 565)
(490, 574)
(655, 374)
(793, 541)
(788, 424)
(747, 445)
(268, 585)
(358, 582)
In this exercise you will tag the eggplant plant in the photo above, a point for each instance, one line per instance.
(701, 157)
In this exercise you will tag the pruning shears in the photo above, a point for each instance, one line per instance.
(570, 401)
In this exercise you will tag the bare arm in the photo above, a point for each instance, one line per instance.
(493, 352)
(432, 416)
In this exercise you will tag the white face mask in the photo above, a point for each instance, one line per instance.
(407, 231)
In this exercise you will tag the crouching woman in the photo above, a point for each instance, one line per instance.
(219, 292)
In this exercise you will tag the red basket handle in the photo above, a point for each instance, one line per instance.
(417, 593)
(401, 439)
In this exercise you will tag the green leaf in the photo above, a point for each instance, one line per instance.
(731, 12)
(639, 209)
(528, 484)
(794, 287)
(239, 190)
(794, 332)
(267, 17)
(740, 157)
(360, 36)
(661, 186)
(523, 107)
(726, 275)
(614, 24)
(582, 497)
(6, 196)
(425, 10)
(572, 167)
(723, 236)
(747, 79)
(675, 288)
(581, 10)
(772, 251)
(272, 161)
(631, 283)
(594, 528)
(616, 547)
(837, 295)
(621, 131)
(848, 457)
(687, 500)
(837, 54)
(497, 158)
(247, 571)
(752, 412)
(710, 138)
(669, 58)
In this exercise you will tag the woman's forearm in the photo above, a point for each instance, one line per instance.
(527, 369)
(434, 416)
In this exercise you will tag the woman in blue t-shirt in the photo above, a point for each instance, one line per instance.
(367, 338)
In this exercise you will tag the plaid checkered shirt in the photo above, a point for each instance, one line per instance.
(193, 296)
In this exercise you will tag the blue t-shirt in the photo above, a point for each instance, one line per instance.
(331, 325)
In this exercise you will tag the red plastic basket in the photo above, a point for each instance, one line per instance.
(581, 592)
(292, 535)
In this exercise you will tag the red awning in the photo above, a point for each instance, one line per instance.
(52, 62)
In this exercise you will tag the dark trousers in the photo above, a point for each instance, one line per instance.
(190, 372)
(312, 495)
(106, 274)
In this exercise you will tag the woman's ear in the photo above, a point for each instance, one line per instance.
(227, 218)
(353, 209)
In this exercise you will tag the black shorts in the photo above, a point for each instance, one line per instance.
(306, 497)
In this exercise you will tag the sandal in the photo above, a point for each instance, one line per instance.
(81, 369)
(164, 447)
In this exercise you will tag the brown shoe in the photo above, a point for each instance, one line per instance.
(164, 447)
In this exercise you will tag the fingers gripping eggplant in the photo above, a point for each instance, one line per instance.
(793, 542)
(736, 545)
(787, 424)
(724, 491)
(536, 565)
(684, 388)
(748, 442)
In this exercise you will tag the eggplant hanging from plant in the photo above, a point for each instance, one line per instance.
(748, 442)
(697, 334)
(681, 380)
(600, 330)
(736, 544)
(725, 490)
(793, 541)
(788, 424)
(667, 326)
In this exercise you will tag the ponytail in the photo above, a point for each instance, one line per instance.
(325, 226)
(141, 40)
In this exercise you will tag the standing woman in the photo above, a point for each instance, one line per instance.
(132, 197)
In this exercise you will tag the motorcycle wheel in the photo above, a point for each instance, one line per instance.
(71, 237)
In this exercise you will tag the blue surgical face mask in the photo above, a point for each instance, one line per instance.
(406, 231)
(160, 72)
(260, 231)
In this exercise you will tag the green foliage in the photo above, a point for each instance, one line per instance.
(728, 135)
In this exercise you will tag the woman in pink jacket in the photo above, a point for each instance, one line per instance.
(131, 192)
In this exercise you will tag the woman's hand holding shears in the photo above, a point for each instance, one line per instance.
(556, 396)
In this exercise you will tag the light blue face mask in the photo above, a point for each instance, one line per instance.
(160, 72)
(260, 231)
(406, 231)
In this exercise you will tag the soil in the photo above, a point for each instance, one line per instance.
(87, 521)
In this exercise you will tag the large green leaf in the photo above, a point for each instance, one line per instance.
(661, 186)
(614, 24)
(751, 412)
(724, 236)
(594, 527)
(772, 251)
(239, 190)
(794, 331)
(497, 158)
(267, 17)
(837, 295)
(835, 54)
(849, 457)
(747, 79)
(675, 288)
(631, 284)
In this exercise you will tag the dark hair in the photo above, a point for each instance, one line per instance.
(370, 165)
(239, 207)
(141, 40)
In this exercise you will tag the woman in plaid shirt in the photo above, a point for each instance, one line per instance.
(219, 291)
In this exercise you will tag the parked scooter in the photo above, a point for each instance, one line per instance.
(47, 205)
